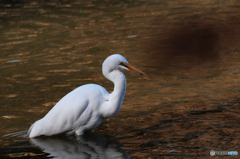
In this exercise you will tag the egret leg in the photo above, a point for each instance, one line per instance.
(80, 131)
(70, 132)
(90, 126)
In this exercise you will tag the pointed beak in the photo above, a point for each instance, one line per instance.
(135, 70)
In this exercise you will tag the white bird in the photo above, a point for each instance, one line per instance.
(89, 105)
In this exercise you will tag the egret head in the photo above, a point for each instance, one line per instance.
(117, 61)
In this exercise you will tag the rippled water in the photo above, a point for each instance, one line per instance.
(189, 48)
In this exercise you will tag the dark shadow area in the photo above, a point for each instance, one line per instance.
(186, 44)
(20, 3)
(196, 42)
(183, 45)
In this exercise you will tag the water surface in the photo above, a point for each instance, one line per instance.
(189, 48)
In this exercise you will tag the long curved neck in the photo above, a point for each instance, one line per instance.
(117, 96)
(119, 80)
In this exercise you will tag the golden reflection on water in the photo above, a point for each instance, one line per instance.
(189, 48)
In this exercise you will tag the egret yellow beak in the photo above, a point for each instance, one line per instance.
(135, 70)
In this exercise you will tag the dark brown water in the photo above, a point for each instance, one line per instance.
(189, 48)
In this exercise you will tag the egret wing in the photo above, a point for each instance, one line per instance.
(62, 117)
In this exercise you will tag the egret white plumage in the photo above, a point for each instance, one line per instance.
(89, 105)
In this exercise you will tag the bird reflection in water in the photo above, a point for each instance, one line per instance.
(90, 145)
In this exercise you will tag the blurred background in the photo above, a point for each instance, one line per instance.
(189, 48)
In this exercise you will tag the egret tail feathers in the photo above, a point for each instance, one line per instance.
(34, 130)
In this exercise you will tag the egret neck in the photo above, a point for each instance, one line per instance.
(117, 96)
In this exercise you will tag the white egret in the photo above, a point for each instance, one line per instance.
(89, 105)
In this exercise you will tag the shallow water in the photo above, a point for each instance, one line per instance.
(189, 48)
